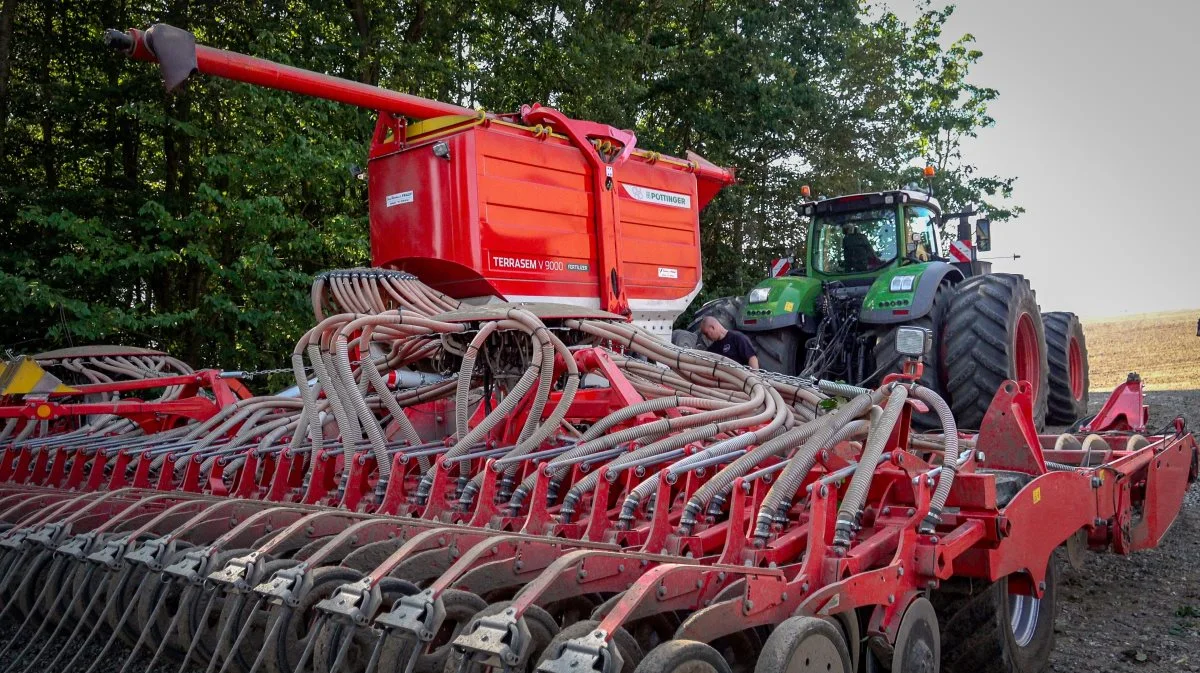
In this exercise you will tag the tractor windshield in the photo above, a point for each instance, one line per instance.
(855, 242)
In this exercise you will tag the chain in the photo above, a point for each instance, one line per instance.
(797, 381)
(261, 372)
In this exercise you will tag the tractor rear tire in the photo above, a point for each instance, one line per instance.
(987, 630)
(888, 360)
(993, 333)
(725, 309)
(1066, 352)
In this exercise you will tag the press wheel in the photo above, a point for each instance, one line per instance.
(805, 645)
(683, 656)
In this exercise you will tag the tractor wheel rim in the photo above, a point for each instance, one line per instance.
(1075, 368)
(1023, 617)
(1025, 351)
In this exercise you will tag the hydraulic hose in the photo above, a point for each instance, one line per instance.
(856, 492)
(784, 489)
(841, 389)
(949, 457)
(466, 376)
(780, 417)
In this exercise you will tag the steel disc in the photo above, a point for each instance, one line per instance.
(1076, 545)
(918, 642)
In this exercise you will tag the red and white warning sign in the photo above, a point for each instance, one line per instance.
(961, 251)
(780, 266)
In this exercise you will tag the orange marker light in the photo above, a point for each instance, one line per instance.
(929, 171)
(806, 191)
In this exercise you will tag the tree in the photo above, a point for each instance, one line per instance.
(193, 222)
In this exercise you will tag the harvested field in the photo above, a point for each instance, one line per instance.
(1162, 347)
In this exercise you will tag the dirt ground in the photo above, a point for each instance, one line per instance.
(1162, 347)
(1140, 612)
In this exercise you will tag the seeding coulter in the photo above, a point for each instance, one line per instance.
(464, 484)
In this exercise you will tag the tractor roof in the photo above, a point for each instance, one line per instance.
(850, 202)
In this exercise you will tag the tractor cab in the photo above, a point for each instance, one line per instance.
(873, 262)
(870, 248)
(866, 233)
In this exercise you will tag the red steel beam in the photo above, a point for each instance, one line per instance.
(261, 72)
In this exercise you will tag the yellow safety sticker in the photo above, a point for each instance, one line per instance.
(787, 306)
(1037, 495)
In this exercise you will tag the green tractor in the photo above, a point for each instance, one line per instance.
(872, 266)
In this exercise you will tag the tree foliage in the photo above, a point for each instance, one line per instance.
(193, 222)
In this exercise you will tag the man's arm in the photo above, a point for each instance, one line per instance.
(754, 362)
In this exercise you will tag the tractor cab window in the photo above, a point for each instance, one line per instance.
(921, 233)
(855, 242)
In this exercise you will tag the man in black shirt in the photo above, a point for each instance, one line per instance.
(730, 343)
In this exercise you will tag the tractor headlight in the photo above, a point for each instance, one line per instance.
(758, 295)
(902, 283)
(913, 342)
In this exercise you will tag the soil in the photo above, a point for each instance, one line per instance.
(1140, 612)
(1162, 347)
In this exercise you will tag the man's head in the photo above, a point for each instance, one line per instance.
(712, 328)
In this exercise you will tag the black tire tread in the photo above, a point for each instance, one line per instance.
(725, 309)
(777, 350)
(1061, 407)
(976, 634)
(978, 343)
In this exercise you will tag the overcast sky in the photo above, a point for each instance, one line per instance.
(1099, 118)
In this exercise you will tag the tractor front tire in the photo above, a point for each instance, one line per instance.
(993, 333)
(725, 309)
(1066, 352)
(888, 360)
(685, 339)
(778, 350)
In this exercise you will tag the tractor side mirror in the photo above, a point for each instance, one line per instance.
(983, 234)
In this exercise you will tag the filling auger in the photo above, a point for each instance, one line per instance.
(465, 480)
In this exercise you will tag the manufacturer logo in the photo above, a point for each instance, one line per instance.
(399, 198)
(656, 196)
(667, 272)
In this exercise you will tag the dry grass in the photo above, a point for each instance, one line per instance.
(1162, 347)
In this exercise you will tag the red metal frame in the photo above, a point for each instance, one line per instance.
(533, 204)
(1123, 411)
